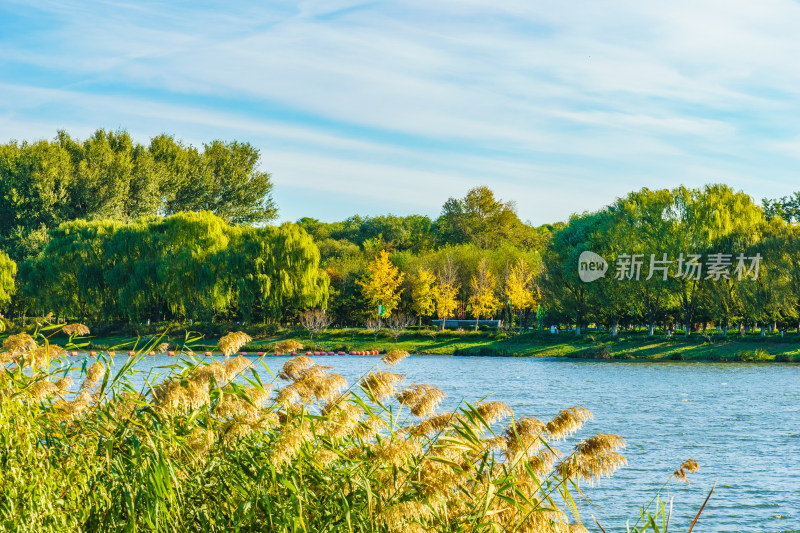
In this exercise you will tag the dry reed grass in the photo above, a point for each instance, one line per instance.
(208, 448)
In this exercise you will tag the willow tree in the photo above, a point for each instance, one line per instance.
(705, 221)
(134, 260)
(381, 284)
(297, 281)
(8, 270)
(248, 265)
(69, 275)
(189, 279)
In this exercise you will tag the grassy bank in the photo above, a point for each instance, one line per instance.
(594, 345)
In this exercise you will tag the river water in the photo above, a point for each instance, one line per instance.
(741, 422)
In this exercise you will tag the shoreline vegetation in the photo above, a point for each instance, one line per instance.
(182, 236)
(212, 447)
(592, 345)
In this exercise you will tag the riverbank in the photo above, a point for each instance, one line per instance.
(593, 345)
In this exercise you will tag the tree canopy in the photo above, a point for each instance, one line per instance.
(108, 176)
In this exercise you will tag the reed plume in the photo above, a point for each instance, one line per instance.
(75, 329)
(394, 356)
(232, 342)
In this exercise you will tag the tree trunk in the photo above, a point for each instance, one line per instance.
(762, 329)
(615, 327)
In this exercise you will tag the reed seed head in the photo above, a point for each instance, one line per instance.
(95, 372)
(491, 412)
(422, 400)
(293, 368)
(394, 356)
(381, 384)
(75, 329)
(234, 367)
(686, 467)
(567, 422)
(232, 342)
(288, 346)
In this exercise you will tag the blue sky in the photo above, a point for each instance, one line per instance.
(377, 107)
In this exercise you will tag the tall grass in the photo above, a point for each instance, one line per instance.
(211, 447)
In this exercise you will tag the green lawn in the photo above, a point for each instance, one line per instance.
(628, 346)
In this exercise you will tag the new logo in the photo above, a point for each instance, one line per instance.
(591, 266)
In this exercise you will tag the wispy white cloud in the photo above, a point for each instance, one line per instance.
(561, 107)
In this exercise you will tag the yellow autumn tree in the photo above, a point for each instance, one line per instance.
(520, 287)
(482, 285)
(423, 294)
(381, 284)
(446, 290)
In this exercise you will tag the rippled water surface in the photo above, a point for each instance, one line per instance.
(741, 422)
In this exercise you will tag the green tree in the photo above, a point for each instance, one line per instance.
(8, 271)
(478, 218)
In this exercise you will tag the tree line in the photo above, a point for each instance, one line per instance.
(187, 266)
(110, 230)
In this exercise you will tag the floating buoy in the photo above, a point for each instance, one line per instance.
(352, 352)
(242, 353)
(207, 354)
(261, 354)
(309, 353)
(292, 353)
(171, 354)
(190, 353)
(341, 353)
(331, 353)
(92, 354)
(74, 354)
(112, 354)
(152, 354)
(131, 354)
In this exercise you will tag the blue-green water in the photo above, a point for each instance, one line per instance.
(741, 422)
